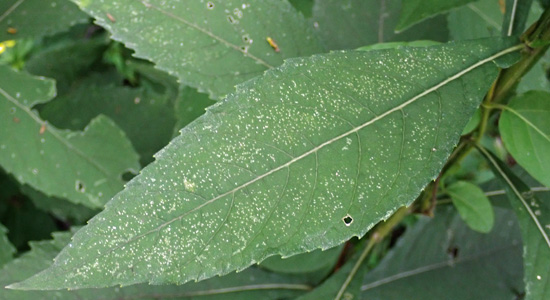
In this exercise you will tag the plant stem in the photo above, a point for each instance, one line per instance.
(536, 42)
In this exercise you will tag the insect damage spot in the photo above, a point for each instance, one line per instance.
(347, 220)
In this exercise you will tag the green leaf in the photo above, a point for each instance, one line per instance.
(6, 248)
(254, 176)
(303, 6)
(442, 258)
(303, 263)
(349, 24)
(483, 18)
(84, 167)
(515, 17)
(36, 18)
(473, 206)
(525, 129)
(249, 284)
(536, 78)
(345, 283)
(210, 45)
(414, 11)
(391, 45)
(534, 219)
(147, 118)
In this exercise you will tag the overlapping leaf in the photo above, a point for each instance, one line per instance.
(36, 18)
(474, 207)
(84, 167)
(442, 258)
(250, 284)
(525, 129)
(256, 175)
(210, 45)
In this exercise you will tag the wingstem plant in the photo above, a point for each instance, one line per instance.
(308, 168)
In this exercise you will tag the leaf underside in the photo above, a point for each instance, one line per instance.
(256, 175)
(210, 45)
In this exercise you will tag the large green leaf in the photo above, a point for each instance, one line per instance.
(255, 176)
(84, 167)
(414, 11)
(348, 24)
(442, 258)
(525, 130)
(250, 284)
(36, 18)
(534, 220)
(211, 45)
(6, 248)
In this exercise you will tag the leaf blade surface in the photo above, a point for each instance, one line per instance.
(254, 176)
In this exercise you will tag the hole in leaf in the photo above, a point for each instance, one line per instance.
(79, 186)
(453, 252)
(210, 5)
(347, 220)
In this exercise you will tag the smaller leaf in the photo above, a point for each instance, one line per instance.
(414, 11)
(37, 18)
(525, 130)
(472, 205)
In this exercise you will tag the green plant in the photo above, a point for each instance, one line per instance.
(302, 148)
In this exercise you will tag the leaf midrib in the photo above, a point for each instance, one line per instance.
(317, 148)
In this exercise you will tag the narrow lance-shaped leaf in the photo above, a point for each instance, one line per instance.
(255, 176)
(210, 45)
(414, 11)
(534, 220)
(84, 167)
(525, 129)
(36, 18)
(250, 284)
